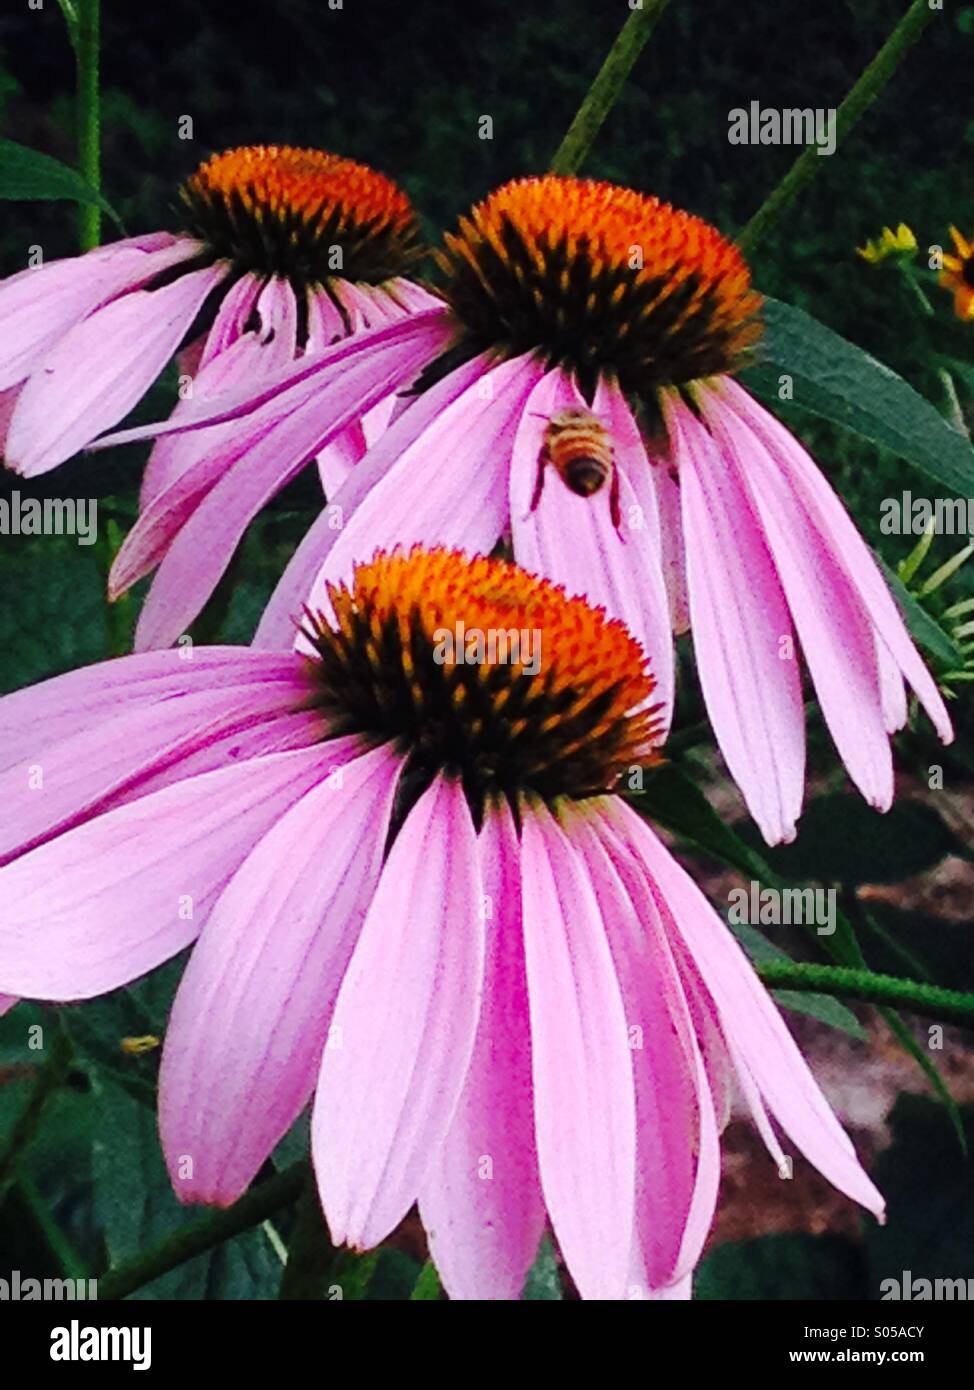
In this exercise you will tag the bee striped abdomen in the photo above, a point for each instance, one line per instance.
(579, 448)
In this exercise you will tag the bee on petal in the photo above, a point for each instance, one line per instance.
(579, 447)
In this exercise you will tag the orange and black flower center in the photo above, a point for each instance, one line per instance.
(601, 279)
(477, 668)
(303, 214)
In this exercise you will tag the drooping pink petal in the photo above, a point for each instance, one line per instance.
(38, 306)
(33, 719)
(574, 540)
(666, 483)
(392, 355)
(581, 1065)
(404, 1025)
(7, 1001)
(481, 1201)
(116, 896)
(249, 1023)
(256, 461)
(232, 318)
(449, 487)
(182, 468)
(833, 626)
(749, 1017)
(283, 614)
(742, 632)
(325, 323)
(893, 689)
(677, 1149)
(101, 368)
(339, 458)
(8, 404)
(837, 527)
(140, 745)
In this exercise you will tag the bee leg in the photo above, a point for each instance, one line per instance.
(538, 485)
(615, 506)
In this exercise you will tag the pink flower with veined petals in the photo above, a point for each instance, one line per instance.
(578, 296)
(521, 1010)
(288, 252)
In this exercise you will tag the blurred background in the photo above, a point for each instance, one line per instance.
(403, 87)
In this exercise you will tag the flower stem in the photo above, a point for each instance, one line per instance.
(202, 1235)
(860, 97)
(49, 1078)
(945, 1005)
(604, 91)
(311, 1255)
(89, 117)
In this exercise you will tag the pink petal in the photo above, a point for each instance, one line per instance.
(249, 1022)
(284, 612)
(850, 550)
(449, 487)
(7, 1001)
(101, 368)
(136, 745)
(741, 633)
(404, 1024)
(116, 896)
(393, 353)
(749, 1018)
(232, 318)
(481, 1202)
(182, 468)
(677, 1150)
(255, 466)
(32, 720)
(574, 541)
(666, 483)
(38, 306)
(833, 626)
(581, 1066)
(325, 323)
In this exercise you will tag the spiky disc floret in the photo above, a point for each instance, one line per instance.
(282, 211)
(601, 278)
(563, 713)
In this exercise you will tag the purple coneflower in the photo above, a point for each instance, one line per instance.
(419, 899)
(582, 305)
(287, 251)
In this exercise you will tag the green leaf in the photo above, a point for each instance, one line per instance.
(924, 628)
(135, 1207)
(783, 1267)
(58, 621)
(673, 801)
(543, 1283)
(930, 1229)
(30, 175)
(820, 1006)
(427, 1287)
(839, 381)
(843, 840)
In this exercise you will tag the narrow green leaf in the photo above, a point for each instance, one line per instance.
(427, 1286)
(839, 381)
(924, 628)
(29, 175)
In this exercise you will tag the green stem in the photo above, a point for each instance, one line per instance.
(49, 1078)
(604, 91)
(861, 96)
(89, 117)
(945, 1005)
(202, 1235)
(311, 1255)
(70, 1262)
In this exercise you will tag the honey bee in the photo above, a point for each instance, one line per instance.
(579, 447)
